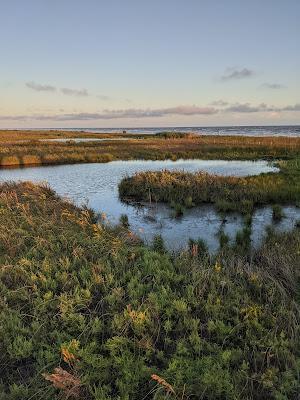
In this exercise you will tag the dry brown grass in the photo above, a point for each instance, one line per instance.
(7, 161)
(15, 146)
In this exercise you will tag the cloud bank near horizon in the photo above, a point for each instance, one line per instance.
(182, 110)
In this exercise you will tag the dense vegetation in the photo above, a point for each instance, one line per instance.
(12, 136)
(228, 193)
(89, 312)
(16, 150)
(174, 135)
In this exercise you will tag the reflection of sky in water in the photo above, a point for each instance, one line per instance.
(97, 185)
(78, 140)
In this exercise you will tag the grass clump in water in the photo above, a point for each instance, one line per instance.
(277, 212)
(124, 221)
(188, 202)
(178, 209)
(223, 239)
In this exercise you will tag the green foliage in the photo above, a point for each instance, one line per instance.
(188, 202)
(124, 221)
(248, 220)
(199, 247)
(223, 239)
(243, 240)
(277, 213)
(158, 244)
(85, 302)
(178, 209)
(174, 135)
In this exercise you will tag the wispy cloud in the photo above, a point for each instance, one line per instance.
(237, 73)
(103, 97)
(40, 88)
(219, 103)
(272, 86)
(74, 92)
(49, 88)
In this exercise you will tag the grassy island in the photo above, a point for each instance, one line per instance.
(89, 312)
(228, 193)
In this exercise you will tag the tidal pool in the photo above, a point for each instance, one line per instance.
(79, 140)
(97, 186)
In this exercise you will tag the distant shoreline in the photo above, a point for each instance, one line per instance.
(234, 130)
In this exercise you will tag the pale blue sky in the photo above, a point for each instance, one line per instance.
(126, 63)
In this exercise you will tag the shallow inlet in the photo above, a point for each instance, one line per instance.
(79, 140)
(97, 186)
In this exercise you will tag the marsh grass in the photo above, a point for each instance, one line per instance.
(14, 146)
(178, 209)
(158, 244)
(84, 302)
(223, 239)
(124, 221)
(277, 212)
(198, 248)
(175, 135)
(227, 193)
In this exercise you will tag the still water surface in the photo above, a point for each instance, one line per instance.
(97, 186)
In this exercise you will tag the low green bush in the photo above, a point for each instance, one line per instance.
(86, 312)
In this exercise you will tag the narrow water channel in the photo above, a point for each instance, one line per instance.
(97, 186)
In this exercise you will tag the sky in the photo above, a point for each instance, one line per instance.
(138, 63)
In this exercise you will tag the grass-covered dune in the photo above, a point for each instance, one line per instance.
(228, 193)
(23, 148)
(88, 312)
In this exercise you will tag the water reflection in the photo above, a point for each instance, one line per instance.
(79, 140)
(97, 186)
